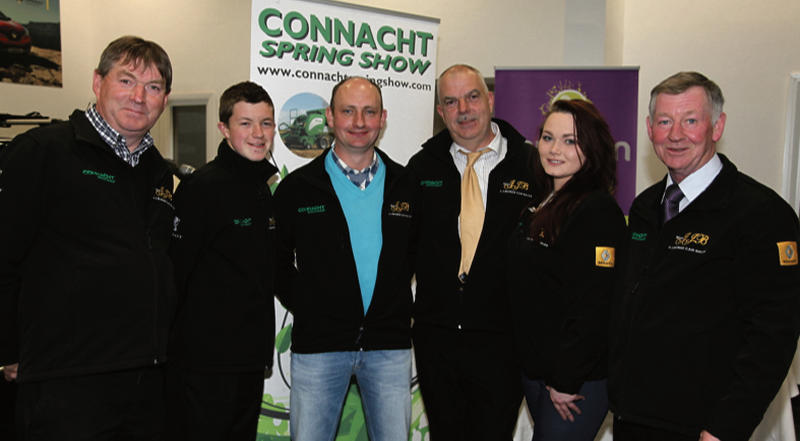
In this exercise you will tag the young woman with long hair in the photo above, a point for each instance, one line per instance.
(561, 272)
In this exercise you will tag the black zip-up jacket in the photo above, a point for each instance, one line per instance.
(83, 241)
(223, 249)
(322, 289)
(706, 320)
(561, 293)
(481, 303)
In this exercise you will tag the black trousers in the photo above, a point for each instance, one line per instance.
(469, 382)
(8, 396)
(118, 406)
(213, 406)
(628, 431)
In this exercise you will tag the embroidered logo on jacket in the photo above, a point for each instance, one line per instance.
(787, 253)
(245, 222)
(639, 237)
(519, 188)
(101, 176)
(312, 209)
(604, 257)
(401, 209)
(163, 194)
(692, 242)
(271, 223)
(431, 183)
(515, 185)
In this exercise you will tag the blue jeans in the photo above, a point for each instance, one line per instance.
(547, 423)
(320, 382)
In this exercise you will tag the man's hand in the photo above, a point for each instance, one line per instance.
(564, 403)
(10, 371)
(705, 436)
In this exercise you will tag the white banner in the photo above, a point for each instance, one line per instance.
(299, 50)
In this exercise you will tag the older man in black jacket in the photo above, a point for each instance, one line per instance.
(473, 179)
(85, 281)
(706, 322)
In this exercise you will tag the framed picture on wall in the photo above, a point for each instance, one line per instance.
(30, 42)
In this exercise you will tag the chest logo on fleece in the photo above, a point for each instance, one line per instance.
(516, 187)
(604, 257)
(244, 222)
(312, 209)
(105, 177)
(692, 242)
(787, 253)
(163, 194)
(400, 208)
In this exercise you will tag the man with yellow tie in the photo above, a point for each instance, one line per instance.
(474, 179)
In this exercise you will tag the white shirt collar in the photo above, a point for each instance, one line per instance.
(495, 145)
(697, 182)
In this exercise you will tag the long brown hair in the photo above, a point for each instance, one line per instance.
(598, 170)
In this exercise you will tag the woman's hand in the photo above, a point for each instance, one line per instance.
(565, 403)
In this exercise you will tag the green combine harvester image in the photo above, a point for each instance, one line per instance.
(306, 131)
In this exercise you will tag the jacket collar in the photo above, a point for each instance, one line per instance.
(439, 144)
(259, 171)
(85, 132)
(717, 195)
(315, 172)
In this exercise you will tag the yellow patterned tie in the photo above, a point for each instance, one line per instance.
(472, 212)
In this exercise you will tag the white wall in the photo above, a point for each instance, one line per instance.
(208, 42)
(748, 48)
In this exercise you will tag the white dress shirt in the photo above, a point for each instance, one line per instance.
(696, 183)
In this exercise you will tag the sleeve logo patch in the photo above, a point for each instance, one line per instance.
(787, 253)
(604, 257)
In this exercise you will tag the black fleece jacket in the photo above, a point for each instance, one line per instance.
(321, 289)
(223, 248)
(482, 303)
(705, 321)
(83, 241)
(561, 293)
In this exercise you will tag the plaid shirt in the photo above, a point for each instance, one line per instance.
(361, 178)
(115, 140)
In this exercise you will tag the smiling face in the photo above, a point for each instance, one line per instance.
(683, 136)
(130, 98)
(466, 107)
(250, 129)
(356, 117)
(558, 148)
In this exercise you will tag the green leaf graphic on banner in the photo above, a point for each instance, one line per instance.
(269, 428)
(352, 426)
(417, 412)
(284, 171)
(284, 339)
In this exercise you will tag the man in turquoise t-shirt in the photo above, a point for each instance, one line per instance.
(344, 226)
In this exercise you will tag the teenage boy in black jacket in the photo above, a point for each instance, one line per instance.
(223, 250)
(461, 314)
(706, 323)
(344, 225)
(85, 281)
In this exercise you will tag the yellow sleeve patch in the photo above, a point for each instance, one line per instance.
(787, 253)
(604, 257)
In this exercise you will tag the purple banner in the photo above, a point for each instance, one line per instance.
(522, 97)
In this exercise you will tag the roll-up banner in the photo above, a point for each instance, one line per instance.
(524, 95)
(299, 50)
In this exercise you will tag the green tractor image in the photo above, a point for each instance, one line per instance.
(307, 132)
